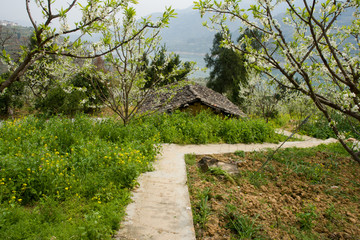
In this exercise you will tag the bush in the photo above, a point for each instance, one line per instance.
(11, 97)
(319, 127)
(82, 97)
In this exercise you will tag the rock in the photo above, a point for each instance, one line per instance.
(207, 162)
(228, 167)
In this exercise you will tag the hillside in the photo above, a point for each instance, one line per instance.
(12, 37)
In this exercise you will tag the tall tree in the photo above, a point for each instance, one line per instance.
(165, 68)
(96, 17)
(228, 69)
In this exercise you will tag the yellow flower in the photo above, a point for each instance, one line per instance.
(19, 199)
(66, 188)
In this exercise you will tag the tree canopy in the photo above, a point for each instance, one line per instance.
(321, 54)
(228, 69)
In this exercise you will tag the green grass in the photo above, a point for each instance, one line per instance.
(202, 210)
(183, 128)
(190, 159)
(244, 226)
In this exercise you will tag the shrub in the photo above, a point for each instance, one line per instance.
(81, 98)
(319, 127)
(11, 97)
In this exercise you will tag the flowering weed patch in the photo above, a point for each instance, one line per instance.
(67, 178)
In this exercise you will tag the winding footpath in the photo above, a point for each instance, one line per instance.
(161, 207)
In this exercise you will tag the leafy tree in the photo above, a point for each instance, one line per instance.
(321, 54)
(75, 95)
(228, 69)
(96, 17)
(165, 69)
(12, 98)
(260, 98)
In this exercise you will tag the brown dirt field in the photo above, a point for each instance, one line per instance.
(315, 195)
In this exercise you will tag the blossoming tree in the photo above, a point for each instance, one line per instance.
(52, 33)
(321, 54)
(127, 83)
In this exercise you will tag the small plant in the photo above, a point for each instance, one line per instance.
(306, 217)
(244, 226)
(220, 172)
(257, 179)
(240, 153)
(202, 210)
(190, 159)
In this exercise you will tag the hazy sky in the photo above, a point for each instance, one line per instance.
(14, 10)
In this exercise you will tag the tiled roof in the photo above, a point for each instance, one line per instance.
(179, 96)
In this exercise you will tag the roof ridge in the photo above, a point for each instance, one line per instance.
(193, 91)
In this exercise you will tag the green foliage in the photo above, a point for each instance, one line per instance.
(319, 127)
(205, 127)
(228, 69)
(79, 96)
(190, 159)
(243, 225)
(239, 153)
(306, 217)
(68, 178)
(12, 97)
(86, 80)
(57, 101)
(257, 178)
(202, 210)
(220, 172)
(165, 69)
(71, 178)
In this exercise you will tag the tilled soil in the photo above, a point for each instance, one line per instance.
(315, 196)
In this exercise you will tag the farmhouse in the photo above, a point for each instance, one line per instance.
(190, 97)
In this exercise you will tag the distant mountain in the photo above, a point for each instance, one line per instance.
(12, 36)
(188, 37)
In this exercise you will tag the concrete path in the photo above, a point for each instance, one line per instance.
(161, 207)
